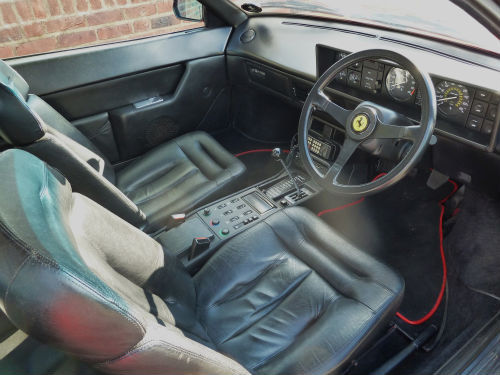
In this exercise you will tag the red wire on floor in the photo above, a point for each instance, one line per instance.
(259, 150)
(321, 213)
(443, 260)
(439, 299)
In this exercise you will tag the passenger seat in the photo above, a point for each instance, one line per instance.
(171, 178)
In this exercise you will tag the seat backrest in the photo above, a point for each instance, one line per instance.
(76, 276)
(28, 122)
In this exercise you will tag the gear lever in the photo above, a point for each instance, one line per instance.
(276, 155)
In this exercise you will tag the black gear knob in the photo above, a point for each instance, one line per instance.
(276, 153)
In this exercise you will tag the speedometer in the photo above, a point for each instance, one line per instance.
(452, 98)
(400, 84)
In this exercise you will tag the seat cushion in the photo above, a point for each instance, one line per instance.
(177, 176)
(290, 296)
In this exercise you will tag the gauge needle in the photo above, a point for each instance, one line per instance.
(445, 99)
(398, 84)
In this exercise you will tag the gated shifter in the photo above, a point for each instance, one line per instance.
(276, 155)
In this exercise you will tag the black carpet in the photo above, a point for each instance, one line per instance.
(475, 242)
(260, 165)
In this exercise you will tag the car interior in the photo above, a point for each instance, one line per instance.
(278, 191)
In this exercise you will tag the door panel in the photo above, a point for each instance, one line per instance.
(105, 96)
(103, 89)
(59, 71)
(140, 129)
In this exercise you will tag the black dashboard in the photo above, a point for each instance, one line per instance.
(463, 110)
(286, 57)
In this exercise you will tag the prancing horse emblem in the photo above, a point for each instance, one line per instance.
(360, 123)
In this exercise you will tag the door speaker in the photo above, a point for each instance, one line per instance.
(159, 130)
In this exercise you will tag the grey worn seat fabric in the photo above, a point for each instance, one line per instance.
(287, 296)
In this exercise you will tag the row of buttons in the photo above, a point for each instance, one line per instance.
(483, 114)
(222, 205)
(314, 145)
(246, 221)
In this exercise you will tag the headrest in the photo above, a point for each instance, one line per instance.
(12, 79)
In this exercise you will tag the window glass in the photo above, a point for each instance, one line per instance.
(30, 27)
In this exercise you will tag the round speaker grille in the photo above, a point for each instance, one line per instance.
(160, 130)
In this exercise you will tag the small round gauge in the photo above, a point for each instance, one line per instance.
(400, 84)
(452, 98)
(341, 76)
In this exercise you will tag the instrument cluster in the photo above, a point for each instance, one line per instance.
(473, 108)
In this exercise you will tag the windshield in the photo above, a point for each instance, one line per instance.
(437, 18)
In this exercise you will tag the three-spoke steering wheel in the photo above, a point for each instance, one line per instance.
(368, 121)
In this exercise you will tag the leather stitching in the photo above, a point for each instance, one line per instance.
(11, 281)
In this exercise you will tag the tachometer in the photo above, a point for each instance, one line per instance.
(400, 84)
(452, 98)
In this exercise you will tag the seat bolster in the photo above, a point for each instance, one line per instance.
(63, 310)
(85, 179)
(57, 125)
(13, 79)
(323, 246)
(167, 351)
(19, 125)
(214, 161)
(149, 167)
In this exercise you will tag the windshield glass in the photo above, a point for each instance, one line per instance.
(436, 18)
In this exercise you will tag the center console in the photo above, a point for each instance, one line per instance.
(217, 222)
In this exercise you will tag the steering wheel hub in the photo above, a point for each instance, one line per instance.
(361, 123)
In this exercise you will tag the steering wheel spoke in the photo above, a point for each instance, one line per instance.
(322, 102)
(348, 149)
(387, 131)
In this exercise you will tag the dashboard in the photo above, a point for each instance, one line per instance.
(286, 56)
(463, 110)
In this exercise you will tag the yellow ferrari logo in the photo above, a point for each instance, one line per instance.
(360, 123)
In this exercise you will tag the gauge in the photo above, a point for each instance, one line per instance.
(400, 84)
(353, 78)
(452, 98)
(342, 75)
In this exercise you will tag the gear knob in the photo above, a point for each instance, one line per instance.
(276, 153)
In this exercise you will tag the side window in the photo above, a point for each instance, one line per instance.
(30, 27)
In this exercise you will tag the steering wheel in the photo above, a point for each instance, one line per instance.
(366, 122)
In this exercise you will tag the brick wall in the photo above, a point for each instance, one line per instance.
(37, 26)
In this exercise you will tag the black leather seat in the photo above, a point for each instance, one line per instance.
(172, 178)
(288, 296)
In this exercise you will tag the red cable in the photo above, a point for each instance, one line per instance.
(341, 207)
(443, 260)
(259, 150)
(441, 250)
